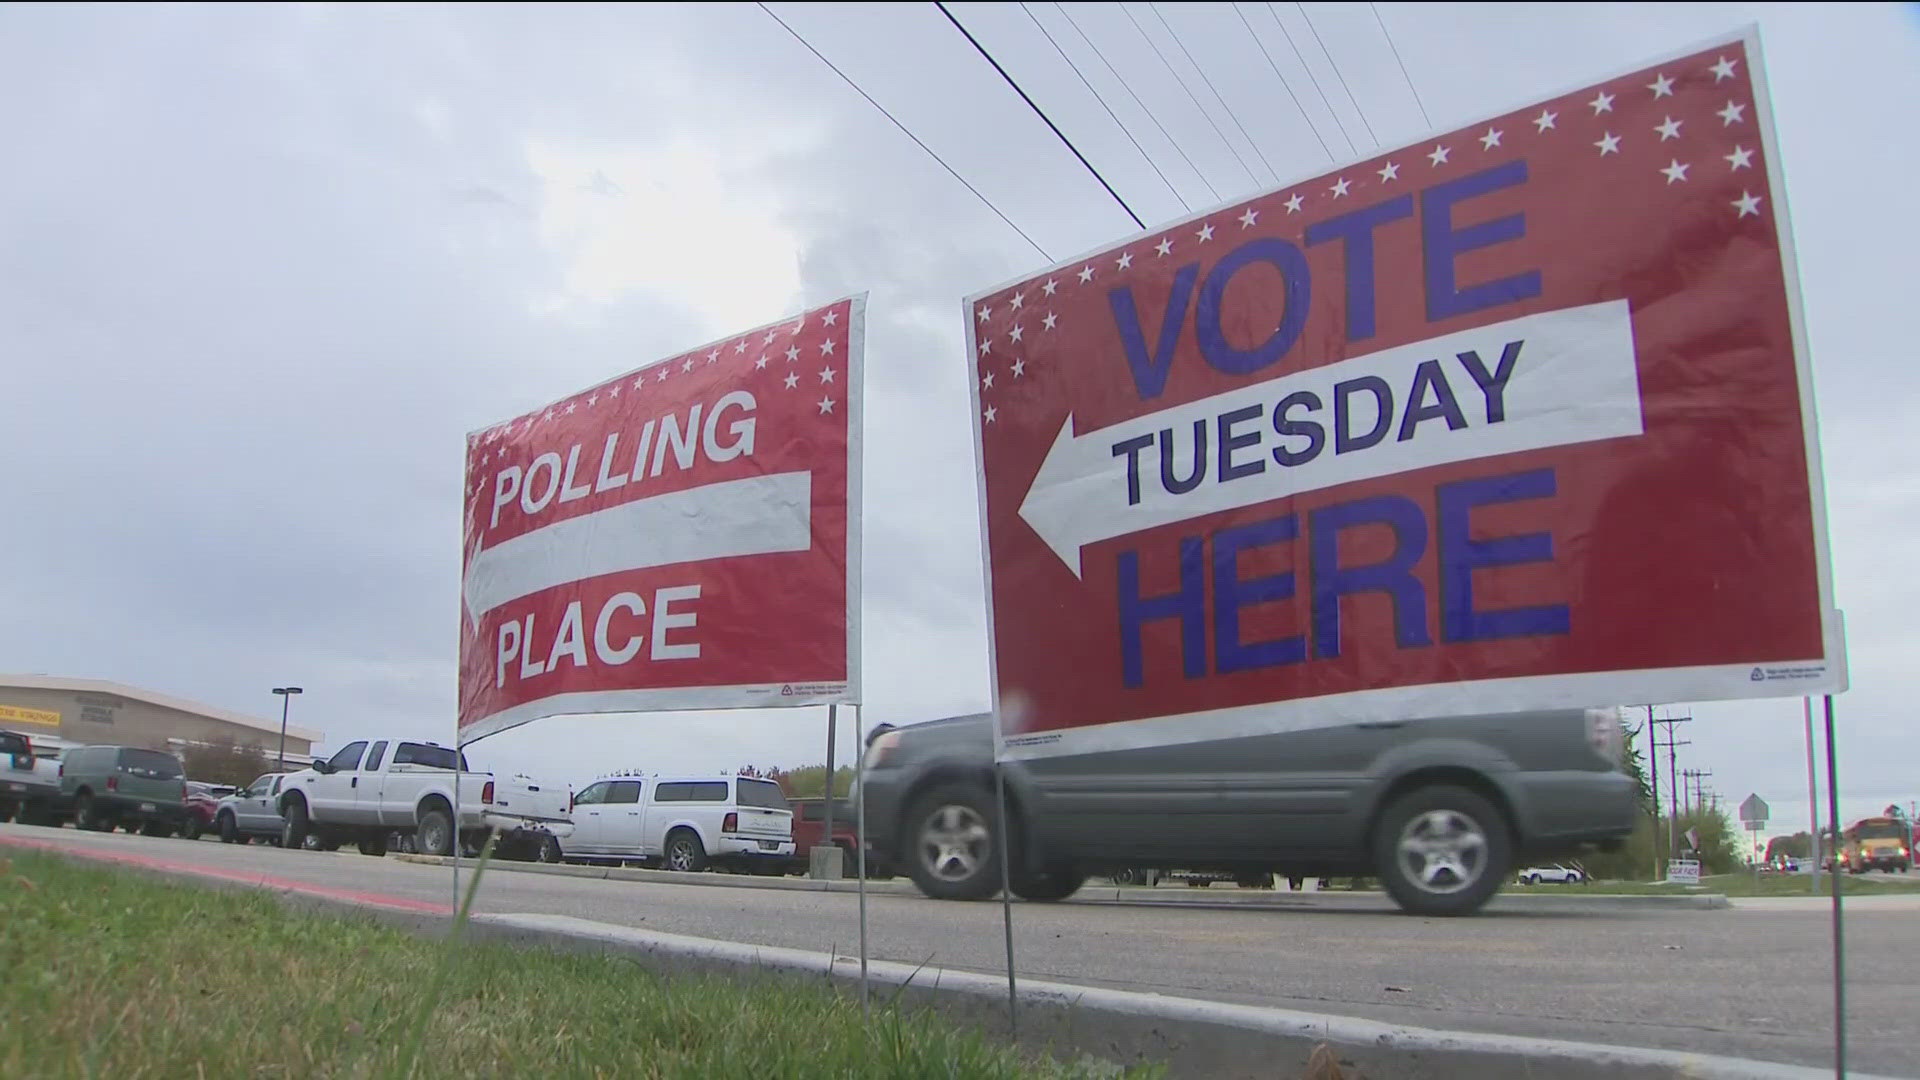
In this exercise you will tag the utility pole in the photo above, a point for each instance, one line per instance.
(1673, 771)
(1653, 762)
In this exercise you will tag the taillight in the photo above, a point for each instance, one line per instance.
(731, 823)
(183, 793)
(113, 783)
(486, 792)
(62, 771)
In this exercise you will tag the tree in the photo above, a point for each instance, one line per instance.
(222, 761)
(805, 781)
(1797, 846)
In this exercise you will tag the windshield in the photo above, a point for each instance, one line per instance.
(150, 764)
(1882, 829)
(762, 794)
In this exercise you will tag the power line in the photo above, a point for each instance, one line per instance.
(909, 134)
(1124, 85)
(1103, 104)
(1315, 128)
(1388, 34)
(1335, 65)
(1205, 78)
(1311, 77)
(1041, 113)
(1191, 96)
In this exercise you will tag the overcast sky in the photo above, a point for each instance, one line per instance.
(265, 266)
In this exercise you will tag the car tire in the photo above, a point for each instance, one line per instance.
(192, 829)
(434, 834)
(86, 815)
(685, 853)
(952, 832)
(294, 827)
(547, 849)
(1530, 879)
(228, 828)
(375, 846)
(1442, 850)
(1047, 886)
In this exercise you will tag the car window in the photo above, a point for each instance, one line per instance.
(671, 792)
(434, 757)
(150, 764)
(373, 758)
(595, 794)
(347, 758)
(12, 744)
(624, 791)
(259, 785)
(708, 791)
(812, 811)
(277, 781)
(761, 794)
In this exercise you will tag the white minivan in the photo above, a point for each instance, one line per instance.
(683, 823)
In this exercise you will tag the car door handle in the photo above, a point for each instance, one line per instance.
(355, 782)
(1380, 725)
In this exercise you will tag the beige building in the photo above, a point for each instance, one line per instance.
(60, 713)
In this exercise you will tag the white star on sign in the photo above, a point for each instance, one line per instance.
(1601, 103)
(987, 383)
(1164, 247)
(1668, 130)
(1439, 156)
(985, 313)
(792, 380)
(1747, 203)
(1722, 70)
(663, 374)
(1205, 234)
(799, 323)
(991, 412)
(570, 408)
(712, 356)
(1675, 172)
(1661, 87)
(1247, 219)
(769, 338)
(1125, 260)
(1018, 299)
(1545, 120)
(1050, 319)
(986, 347)
(740, 346)
(688, 366)
(1741, 158)
(1732, 114)
(830, 318)
(1086, 274)
(826, 347)
(1340, 187)
(1015, 333)
(1491, 139)
(826, 405)
(1293, 204)
(1051, 285)
(614, 390)
(1389, 171)
(639, 382)
(793, 353)
(1019, 368)
(548, 416)
(1609, 144)
(760, 364)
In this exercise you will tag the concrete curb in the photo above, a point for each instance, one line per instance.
(1192, 1037)
(1528, 903)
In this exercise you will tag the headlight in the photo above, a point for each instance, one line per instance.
(882, 747)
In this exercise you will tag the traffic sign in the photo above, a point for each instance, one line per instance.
(1753, 813)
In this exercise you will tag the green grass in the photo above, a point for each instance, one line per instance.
(105, 974)
(1735, 885)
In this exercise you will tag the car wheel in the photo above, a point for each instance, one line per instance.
(434, 836)
(192, 829)
(1530, 879)
(685, 852)
(375, 846)
(86, 816)
(228, 828)
(1441, 850)
(548, 849)
(1047, 886)
(294, 831)
(952, 834)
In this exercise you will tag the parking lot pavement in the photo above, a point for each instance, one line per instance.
(1751, 981)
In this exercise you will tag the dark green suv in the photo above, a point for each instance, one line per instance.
(126, 786)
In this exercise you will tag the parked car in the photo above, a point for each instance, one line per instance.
(251, 813)
(126, 786)
(809, 831)
(362, 795)
(1553, 872)
(203, 802)
(1437, 809)
(684, 823)
(29, 786)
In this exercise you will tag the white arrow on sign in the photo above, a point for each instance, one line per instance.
(1573, 379)
(755, 516)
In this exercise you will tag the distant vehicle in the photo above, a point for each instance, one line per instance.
(684, 823)
(1438, 809)
(809, 826)
(363, 794)
(203, 802)
(1877, 843)
(126, 786)
(251, 813)
(29, 786)
(1553, 872)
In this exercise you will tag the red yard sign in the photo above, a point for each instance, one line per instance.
(682, 537)
(1514, 417)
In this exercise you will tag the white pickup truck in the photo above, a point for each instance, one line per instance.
(369, 790)
(29, 785)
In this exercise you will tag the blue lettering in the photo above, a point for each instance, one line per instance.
(1493, 387)
(1229, 442)
(1182, 485)
(1394, 576)
(1189, 605)
(1131, 448)
(1150, 371)
(1316, 434)
(1231, 593)
(1442, 244)
(1429, 377)
(1343, 438)
(1357, 230)
(1460, 555)
(1207, 327)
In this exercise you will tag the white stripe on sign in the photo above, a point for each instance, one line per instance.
(1552, 379)
(759, 515)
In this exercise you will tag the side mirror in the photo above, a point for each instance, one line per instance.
(321, 767)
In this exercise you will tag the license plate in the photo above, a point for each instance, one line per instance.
(146, 808)
(770, 845)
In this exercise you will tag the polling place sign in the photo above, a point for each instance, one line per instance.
(1515, 417)
(682, 537)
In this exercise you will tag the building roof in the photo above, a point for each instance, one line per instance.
(153, 697)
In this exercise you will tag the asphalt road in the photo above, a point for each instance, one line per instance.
(1751, 982)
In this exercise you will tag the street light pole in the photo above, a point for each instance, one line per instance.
(286, 696)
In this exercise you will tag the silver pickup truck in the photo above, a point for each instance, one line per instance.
(1438, 810)
(29, 786)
